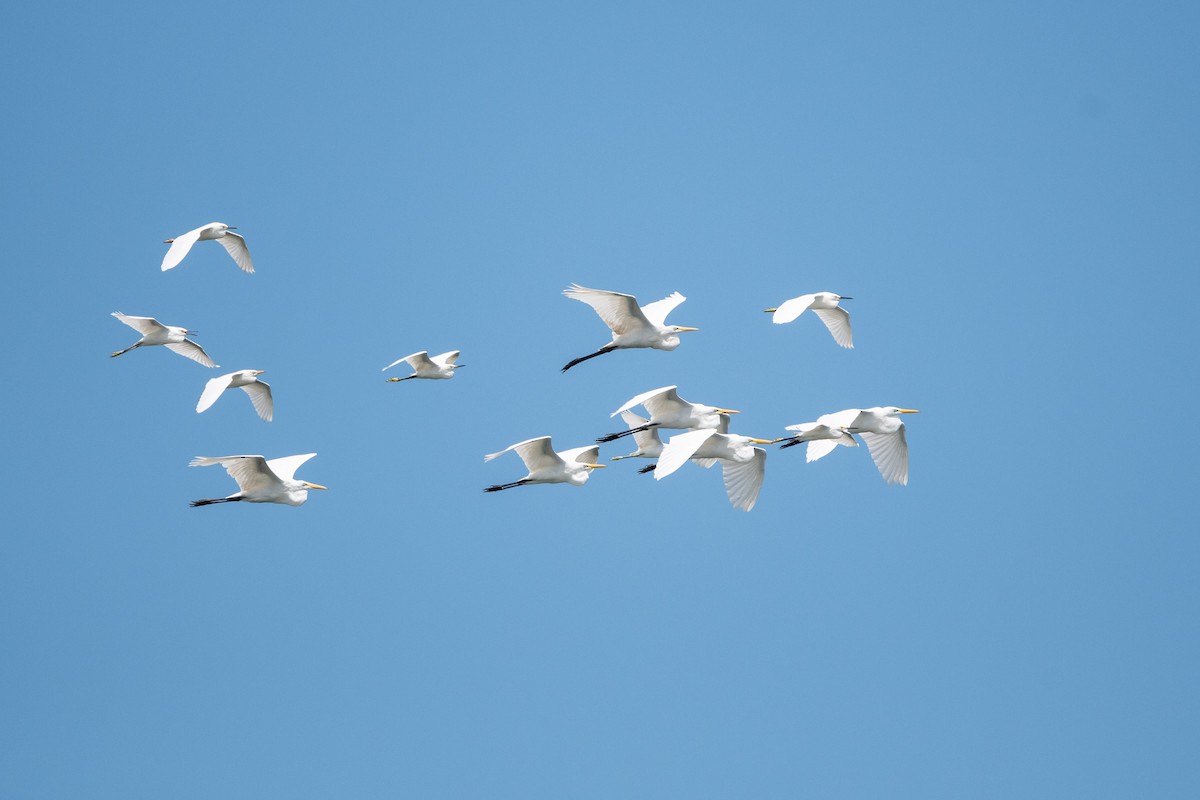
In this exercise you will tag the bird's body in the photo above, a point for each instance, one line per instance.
(668, 410)
(631, 325)
(825, 306)
(173, 338)
(813, 432)
(743, 466)
(233, 243)
(546, 466)
(259, 480)
(246, 380)
(440, 367)
(881, 430)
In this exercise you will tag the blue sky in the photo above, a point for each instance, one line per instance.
(1009, 194)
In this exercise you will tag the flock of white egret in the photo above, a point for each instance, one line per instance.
(705, 438)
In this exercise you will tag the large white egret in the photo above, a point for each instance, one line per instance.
(246, 380)
(668, 410)
(649, 445)
(233, 243)
(632, 325)
(881, 430)
(743, 467)
(173, 338)
(813, 432)
(438, 368)
(824, 305)
(259, 480)
(546, 466)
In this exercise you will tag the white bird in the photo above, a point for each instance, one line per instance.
(743, 467)
(234, 243)
(259, 480)
(246, 380)
(668, 410)
(173, 338)
(546, 466)
(824, 305)
(649, 445)
(882, 432)
(438, 368)
(814, 432)
(632, 325)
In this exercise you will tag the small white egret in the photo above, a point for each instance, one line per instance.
(648, 443)
(438, 368)
(173, 338)
(546, 466)
(743, 467)
(246, 380)
(632, 325)
(882, 432)
(813, 432)
(259, 480)
(668, 410)
(234, 243)
(824, 305)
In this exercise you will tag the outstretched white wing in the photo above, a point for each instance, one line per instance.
(143, 325)
(189, 349)
(620, 312)
(235, 245)
(536, 453)
(589, 454)
(212, 390)
(790, 309)
(414, 360)
(641, 399)
(838, 322)
(743, 481)
(678, 450)
(286, 466)
(657, 311)
(252, 473)
(889, 451)
(180, 248)
(666, 403)
(446, 358)
(260, 396)
(647, 440)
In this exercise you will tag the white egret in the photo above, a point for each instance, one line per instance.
(438, 368)
(813, 432)
(743, 467)
(246, 380)
(824, 305)
(546, 466)
(259, 480)
(723, 427)
(632, 325)
(173, 338)
(882, 432)
(648, 443)
(668, 410)
(233, 243)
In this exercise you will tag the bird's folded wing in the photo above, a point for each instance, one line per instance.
(620, 312)
(790, 309)
(743, 481)
(212, 390)
(179, 249)
(889, 451)
(285, 467)
(838, 322)
(657, 311)
(260, 396)
(643, 397)
(189, 349)
(678, 450)
(235, 245)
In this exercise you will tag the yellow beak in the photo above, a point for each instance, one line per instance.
(596, 466)
(908, 411)
(764, 441)
(682, 328)
(770, 310)
(726, 411)
(314, 485)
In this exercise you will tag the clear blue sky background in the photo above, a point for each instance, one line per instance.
(1009, 191)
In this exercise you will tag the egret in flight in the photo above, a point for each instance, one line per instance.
(824, 305)
(546, 466)
(438, 368)
(246, 380)
(173, 338)
(881, 430)
(632, 325)
(259, 480)
(668, 410)
(233, 243)
(821, 438)
(743, 466)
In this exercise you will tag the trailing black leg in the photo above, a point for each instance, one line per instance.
(209, 502)
(608, 348)
(501, 486)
